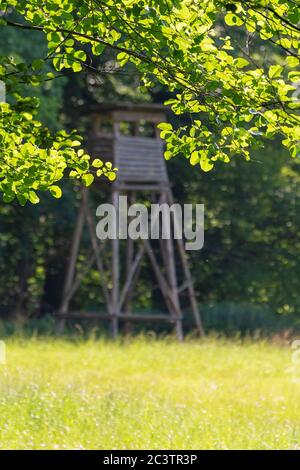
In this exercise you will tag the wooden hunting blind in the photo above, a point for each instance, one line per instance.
(127, 135)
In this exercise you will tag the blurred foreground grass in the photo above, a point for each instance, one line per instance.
(148, 394)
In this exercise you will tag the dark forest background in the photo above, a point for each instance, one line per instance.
(247, 275)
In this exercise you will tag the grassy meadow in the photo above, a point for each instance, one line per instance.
(151, 394)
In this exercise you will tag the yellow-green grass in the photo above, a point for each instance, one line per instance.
(148, 394)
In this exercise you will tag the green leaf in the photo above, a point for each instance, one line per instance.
(206, 165)
(164, 126)
(87, 179)
(22, 198)
(8, 197)
(292, 61)
(76, 67)
(112, 176)
(55, 191)
(122, 58)
(98, 49)
(80, 55)
(33, 197)
(37, 64)
(97, 163)
(241, 62)
(194, 158)
(80, 152)
(275, 71)
(294, 76)
(75, 143)
(233, 20)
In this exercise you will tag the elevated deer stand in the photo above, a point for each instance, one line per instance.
(127, 135)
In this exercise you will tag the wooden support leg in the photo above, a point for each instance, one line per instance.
(171, 270)
(172, 278)
(128, 286)
(190, 284)
(190, 288)
(129, 260)
(115, 272)
(100, 265)
(164, 287)
(64, 306)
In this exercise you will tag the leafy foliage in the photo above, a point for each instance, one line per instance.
(32, 158)
(178, 43)
(24, 48)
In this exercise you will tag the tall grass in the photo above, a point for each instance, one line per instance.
(146, 394)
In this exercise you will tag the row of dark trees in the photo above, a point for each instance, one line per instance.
(252, 243)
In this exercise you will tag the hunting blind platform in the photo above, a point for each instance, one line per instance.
(127, 135)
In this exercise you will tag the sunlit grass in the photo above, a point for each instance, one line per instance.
(148, 394)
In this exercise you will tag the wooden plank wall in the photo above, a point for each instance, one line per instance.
(140, 159)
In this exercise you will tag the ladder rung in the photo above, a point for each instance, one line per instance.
(121, 316)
